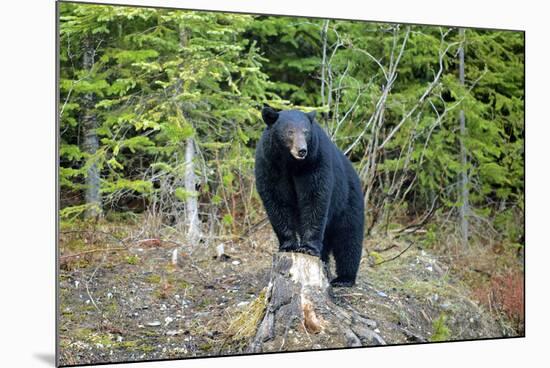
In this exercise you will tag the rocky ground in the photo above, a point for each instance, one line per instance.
(132, 304)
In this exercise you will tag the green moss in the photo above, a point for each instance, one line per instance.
(153, 279)
(89, 336)
(425, 289)
(64, 343)
(177, 282)
(88, 308)
(205, 303)
(182, 284)
(160, 293)
(129, 345)
(83, 334)
(75, 245)
(148, 333)
(146, 348)
(103, 339)
(111, 307)
(132, 259)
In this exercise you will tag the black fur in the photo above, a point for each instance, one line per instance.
(314, 203)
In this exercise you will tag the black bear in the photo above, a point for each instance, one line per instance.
(310, 191)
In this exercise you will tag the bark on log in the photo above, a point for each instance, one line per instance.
(301, 313)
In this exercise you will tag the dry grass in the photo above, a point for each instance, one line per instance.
(244, 325)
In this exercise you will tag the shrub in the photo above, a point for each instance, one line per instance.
(508, 297)
(504, 294)
(440, 330)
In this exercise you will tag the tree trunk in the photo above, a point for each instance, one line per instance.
(190, 181)
(465, 207)
(90, 142)
(301, 314)
(324, 36)
(191, 203)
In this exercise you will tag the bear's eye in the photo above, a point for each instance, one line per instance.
(306, 131)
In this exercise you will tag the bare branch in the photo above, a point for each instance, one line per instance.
(420, 101)
(395, 257)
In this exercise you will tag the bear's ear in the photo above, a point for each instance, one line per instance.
(311, 116)
(269, 115)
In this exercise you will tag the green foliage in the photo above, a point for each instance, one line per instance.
(377, 257)
(509, 223)
(430, 237)
(139, 186)
(440, 330)
(183, 194)
(70, 213)
(161, 77)
(227, 219)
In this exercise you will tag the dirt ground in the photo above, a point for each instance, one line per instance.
(132, 304)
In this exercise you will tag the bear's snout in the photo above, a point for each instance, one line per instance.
(298, 146)
(299, 153)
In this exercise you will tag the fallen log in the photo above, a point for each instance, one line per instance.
(301, 313)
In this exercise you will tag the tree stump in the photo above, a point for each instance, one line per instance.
(301, 313)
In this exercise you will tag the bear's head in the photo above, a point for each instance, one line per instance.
(291, 129)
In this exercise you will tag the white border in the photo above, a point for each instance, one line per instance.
(27, 188)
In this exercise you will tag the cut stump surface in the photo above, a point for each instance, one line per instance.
(301, 313)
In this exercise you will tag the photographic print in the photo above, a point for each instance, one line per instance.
(234, 183)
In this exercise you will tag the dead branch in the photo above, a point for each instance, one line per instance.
(425, 219)
(391, 246)
(87, 284)
(395, 257)
(257, 226)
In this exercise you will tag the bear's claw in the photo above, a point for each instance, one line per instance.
(338, 282)
(289, 246)
(308, 250)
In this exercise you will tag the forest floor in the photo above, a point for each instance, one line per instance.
(131, 303)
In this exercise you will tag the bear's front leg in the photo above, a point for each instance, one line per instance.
(281, 211)
(284, 223)
(314, 193)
